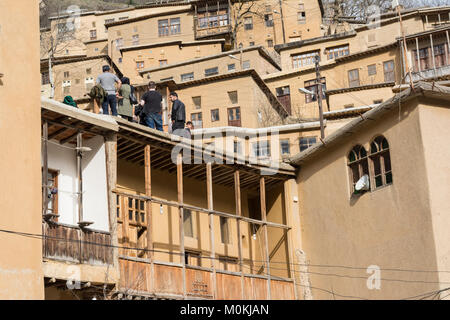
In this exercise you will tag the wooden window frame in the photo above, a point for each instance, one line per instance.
(288, 146)
(338, 51)
(372, 69)
(304, 59)
(218, 115)
(355, 82)
(53, 175)
(389, 76)
(163, 28)
(237, 117)
(379, 155)
(308, 144)
(360, 165)
(248, 26)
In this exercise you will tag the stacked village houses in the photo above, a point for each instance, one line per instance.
(260, 206)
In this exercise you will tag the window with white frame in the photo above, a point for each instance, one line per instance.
(304, 59)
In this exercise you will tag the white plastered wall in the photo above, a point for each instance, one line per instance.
(95, 197)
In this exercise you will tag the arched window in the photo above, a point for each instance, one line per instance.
(380, 162)
(357, 162)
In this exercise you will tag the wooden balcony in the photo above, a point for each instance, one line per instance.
(73, 244)
(139, 277)
(207, 32)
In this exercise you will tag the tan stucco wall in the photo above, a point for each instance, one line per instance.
(257, 62)
(96, 21)
(77, 71)
(148, 30)
(173, 53)
(336, 76)
(391, 227)
(214, 95)
(292, 29)
(21, 274)
(97, 48)
(384, 35)
(435, 128)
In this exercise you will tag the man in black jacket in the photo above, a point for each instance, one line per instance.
(178, 114)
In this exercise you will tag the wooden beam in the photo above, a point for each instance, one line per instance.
(69, 138)
(237, 199)
(209, 195)
(56, 133)
(131, 153)
(181, 216)
(262, 188)
(129, 148)
(148, 211)
(45, 167)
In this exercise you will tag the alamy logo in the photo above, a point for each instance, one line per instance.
(374, 280)
(261, 147)
(73, 21)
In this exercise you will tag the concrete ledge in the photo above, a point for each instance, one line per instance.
(81, 272)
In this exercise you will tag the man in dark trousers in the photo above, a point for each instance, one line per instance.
(151, 101)
(108, 82)
(178, 114)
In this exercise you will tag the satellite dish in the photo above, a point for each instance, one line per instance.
(363, 183)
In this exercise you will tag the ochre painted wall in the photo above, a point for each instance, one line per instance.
(21, 275)
(391, 227)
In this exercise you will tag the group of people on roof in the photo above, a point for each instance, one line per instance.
(118, 96)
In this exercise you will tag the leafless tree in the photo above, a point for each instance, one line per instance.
(362, 10)
(59, 35)
(241, 9)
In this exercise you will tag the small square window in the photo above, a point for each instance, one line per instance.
(233, 95)
(215, 115)
(306, 142)
(211, 71)
(187, 77)
(197, 101)
(372, 69)
(285, 147)
(231, 67)
(246, 64)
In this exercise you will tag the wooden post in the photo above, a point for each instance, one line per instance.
(181, 216)
(432, 51)
(262, 190)
(148, 211)
(289, 234)
(80, 176)
(209, 191)
(418, 54)
(45, 167)
(111, 180)
(237, 197)
(448, 43)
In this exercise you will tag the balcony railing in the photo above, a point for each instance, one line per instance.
(73, 244)
(430, 73)
(203, 32)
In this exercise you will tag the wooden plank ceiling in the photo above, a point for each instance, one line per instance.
(130, 147)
